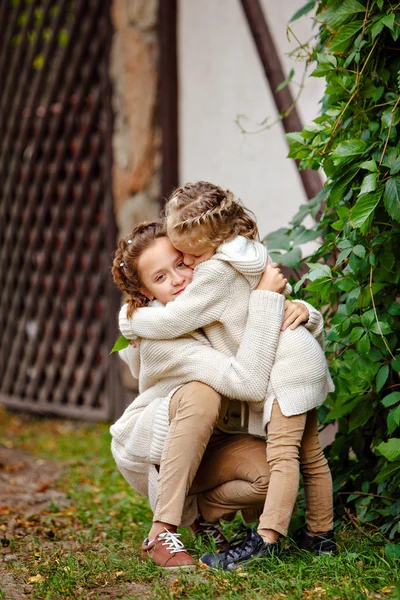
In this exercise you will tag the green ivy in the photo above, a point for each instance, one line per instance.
(354, 275)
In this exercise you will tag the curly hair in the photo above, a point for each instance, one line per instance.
(208, 213)
(125, 263)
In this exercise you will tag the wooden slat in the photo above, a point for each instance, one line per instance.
(57, 225)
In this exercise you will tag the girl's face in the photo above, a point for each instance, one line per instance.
(162, 271)
(193, 253)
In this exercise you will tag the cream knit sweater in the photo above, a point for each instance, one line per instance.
(139, 435)
(217, 301)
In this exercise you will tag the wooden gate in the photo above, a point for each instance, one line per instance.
(57, 232)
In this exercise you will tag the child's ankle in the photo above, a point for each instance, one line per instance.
(268, 535)
(160, 527)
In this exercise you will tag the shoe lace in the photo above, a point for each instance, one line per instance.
(213, 530)
(172, 542)
(240, 544)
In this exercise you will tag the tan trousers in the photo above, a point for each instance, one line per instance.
(293, 446)
(228, 472)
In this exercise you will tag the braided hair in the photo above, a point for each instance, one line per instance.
(125, 263)
(208, 213)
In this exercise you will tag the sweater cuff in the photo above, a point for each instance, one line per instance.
(314, 318)
(264, 300)
(124, 323)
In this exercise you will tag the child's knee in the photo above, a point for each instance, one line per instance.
(260, 486)
(201, 400)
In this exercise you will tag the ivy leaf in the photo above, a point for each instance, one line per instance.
(348, 149)
(303, 11)
(369, 165)
(391, 197)
(286, 82)
(278, 240)
(389, 470)
(343, 409)
(343, 39)
(390, 449)
(392, 551)
(395, 166)
(326, 63)
(318, 271)
(369, 183)
(335, 15)
(364, 345)
(368, 318)
(394, 308)
(340, 187)
(364, 207)
(343, 255)
(382, 377)
(386, 21)
(356, 333)
(391, 399)
(290, 259)
(121, 343)
(393, 419)
(381, 328)
(360, 415)
(359, 251)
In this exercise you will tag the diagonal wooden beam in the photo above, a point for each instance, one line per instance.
(168, 94)
(274, 72)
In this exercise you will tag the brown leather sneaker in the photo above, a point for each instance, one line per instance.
(168, 552)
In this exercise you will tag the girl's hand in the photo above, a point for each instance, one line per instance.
(295, 314)
(272, 280)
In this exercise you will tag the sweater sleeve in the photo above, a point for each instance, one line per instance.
(202, 303)
(244, 376)
(131, 355)
(315, 323)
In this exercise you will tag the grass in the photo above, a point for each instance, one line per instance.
(90, 548)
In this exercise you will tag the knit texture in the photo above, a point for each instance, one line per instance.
(139, 435)
(216, 301)
(242, 354)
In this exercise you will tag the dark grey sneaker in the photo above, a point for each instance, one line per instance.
(247, 546)
(318, 544)
(209, 531)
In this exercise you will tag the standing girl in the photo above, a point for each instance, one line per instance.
(215, 234)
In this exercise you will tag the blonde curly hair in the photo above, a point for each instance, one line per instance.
(208, 214)
(125, 263)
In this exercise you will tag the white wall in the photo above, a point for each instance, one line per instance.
(221, 77)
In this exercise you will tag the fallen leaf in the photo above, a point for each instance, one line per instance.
(18, 466)
(35, 579)
(43, 487)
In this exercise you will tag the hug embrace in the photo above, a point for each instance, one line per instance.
(230, 375)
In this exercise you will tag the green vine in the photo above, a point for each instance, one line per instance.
(354, 275)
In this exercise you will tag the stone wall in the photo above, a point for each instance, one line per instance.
(136, 138)
(136, 147)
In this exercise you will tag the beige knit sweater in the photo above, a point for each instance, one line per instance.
(139, 435)
(217, 301)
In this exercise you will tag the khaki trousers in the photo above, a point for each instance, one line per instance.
(227, 472)
(293, 446)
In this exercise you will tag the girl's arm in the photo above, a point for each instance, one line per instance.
(202, 303)
(244, 376)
